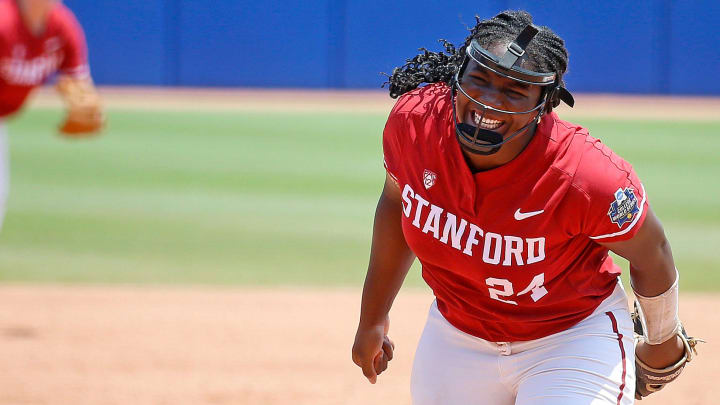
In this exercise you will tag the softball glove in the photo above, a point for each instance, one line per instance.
(84, 111)
(649, 379)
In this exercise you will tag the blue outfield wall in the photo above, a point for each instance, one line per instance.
(643, 46)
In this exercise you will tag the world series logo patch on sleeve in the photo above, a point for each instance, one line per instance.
(624, 208)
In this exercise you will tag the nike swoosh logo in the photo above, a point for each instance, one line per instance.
(525, 215)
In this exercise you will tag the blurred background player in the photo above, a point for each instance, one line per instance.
(39, 38)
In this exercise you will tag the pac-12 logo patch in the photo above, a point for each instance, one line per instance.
(624, 208)
(429, 178)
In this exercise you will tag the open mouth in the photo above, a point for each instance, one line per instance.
(486, 123)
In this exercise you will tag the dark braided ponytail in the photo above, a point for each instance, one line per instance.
(545, 53)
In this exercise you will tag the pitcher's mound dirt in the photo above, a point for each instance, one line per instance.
(138, 345)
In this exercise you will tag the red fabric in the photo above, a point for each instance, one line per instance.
(26, 60)
(494, 276)
(622, 353)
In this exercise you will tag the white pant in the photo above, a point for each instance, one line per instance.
(592, 363)
(4, 170)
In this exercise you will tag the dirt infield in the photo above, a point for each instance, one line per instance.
(139, 345)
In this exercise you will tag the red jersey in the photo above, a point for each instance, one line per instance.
(510, 253)
(27, 60)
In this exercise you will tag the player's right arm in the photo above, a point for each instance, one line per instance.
(390, 260)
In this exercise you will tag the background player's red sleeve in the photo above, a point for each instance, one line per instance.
(392, 151)
(616, 199)
(75, 62)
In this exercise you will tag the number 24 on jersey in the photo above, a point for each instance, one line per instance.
(535, 288)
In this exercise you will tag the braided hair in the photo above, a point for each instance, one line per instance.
(546, 53)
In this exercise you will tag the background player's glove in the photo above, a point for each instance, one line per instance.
(649, 379)
(84, 111)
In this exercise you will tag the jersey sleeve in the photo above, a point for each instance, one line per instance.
(75, 62)
(616, 198)
(392, 150)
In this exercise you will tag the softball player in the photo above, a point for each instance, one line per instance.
(511, 212)
(39, 38)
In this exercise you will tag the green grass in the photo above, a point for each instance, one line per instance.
(247, 198)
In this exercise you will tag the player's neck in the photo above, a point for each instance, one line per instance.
(508, 152)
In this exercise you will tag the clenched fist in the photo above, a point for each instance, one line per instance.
(373, 349)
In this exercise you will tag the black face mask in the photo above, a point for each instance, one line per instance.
(486, 142)
(482, 141)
